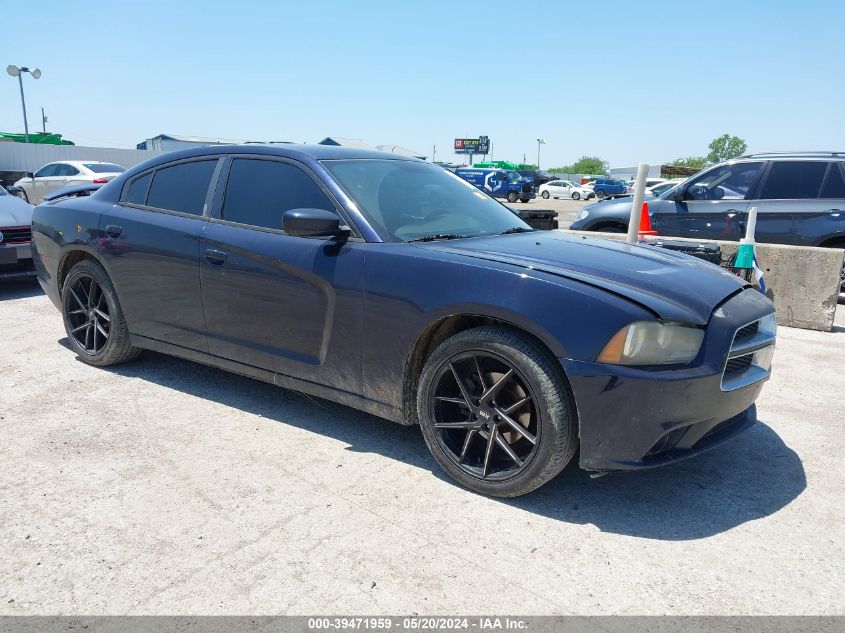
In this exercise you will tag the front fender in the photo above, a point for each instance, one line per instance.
(407, 292)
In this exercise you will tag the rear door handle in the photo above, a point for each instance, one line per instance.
(835, 212)
(112, 230)
(215, 257)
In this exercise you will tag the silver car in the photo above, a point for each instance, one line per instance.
(15, 236)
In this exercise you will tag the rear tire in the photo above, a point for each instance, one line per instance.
(600, 193)
(93, 319)
(502, 373)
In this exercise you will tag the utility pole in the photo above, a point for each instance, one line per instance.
(433, 153)
(43, 121)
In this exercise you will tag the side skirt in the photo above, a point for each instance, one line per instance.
(382, 410)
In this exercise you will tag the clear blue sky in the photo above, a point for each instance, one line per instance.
(627, 81)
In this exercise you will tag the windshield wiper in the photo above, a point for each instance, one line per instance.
(437, 236)
(517, 229)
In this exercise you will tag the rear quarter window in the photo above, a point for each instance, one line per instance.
(834, 184)
(138, 188)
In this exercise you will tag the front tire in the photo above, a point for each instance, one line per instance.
(93, 318)
(576, 195)
(545, 195)
(22, 195)
(496, 411)
(512, 197)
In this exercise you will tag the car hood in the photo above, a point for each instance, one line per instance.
(14, 212)
(673, 286)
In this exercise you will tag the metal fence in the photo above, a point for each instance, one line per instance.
(18, 158)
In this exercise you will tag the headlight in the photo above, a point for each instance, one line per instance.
(652, 343)
(583, 213)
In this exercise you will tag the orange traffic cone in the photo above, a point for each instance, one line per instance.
(645, 223)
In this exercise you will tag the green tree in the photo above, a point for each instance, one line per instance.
(725, 147)
(696, 162)
(585, 165)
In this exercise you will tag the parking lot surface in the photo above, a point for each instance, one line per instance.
(166, 487)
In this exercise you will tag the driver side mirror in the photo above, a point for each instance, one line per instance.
(313, 223)
(29, 174)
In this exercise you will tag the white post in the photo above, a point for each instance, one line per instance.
(637, 203)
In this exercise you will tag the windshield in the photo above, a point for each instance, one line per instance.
(104, 168)
(407, 200)
(513, 176)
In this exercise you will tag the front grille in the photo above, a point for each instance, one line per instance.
(747, 332)
(738, 364)
(16, 235)
(743, 366)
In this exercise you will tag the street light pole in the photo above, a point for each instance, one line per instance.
(23, 105)
(14, 71)
(539, 142)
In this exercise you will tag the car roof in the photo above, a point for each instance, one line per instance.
(288, 150)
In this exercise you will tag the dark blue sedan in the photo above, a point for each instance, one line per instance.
(393, 286)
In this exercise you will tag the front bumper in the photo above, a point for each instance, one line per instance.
(634, 418)
(16, 261)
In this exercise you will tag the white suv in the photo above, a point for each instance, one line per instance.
(53, 176)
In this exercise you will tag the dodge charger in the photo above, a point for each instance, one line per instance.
(391, 285)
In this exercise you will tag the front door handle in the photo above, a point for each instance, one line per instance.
(835, 212)
(731, 213)
(214, 256)
(112, 230)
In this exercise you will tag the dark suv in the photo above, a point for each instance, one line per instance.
(800, 200)
(609, 186)
(537, 177)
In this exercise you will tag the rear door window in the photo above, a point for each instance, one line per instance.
(834, 184)
(182, 187)
(259, 192)
(794, 180)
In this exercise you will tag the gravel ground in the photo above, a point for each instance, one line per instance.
(165, 487)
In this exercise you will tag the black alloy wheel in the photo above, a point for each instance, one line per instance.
(496, 411)
(485, 415)
(600, 193)
(88, 317)
(93, 318)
